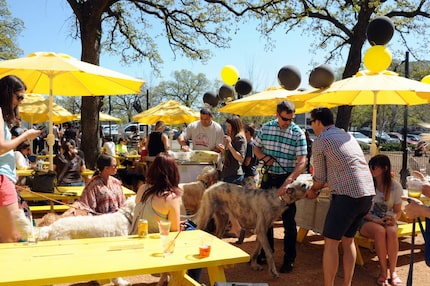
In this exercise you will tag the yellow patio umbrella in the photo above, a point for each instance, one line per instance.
(35, 109)
(60, 74)
(368, 88)
(264, 103)
(170, 112)
(102, 117)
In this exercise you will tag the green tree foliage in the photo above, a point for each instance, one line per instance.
(186, 87)
(339, 26)
(10, 28)
(130, 28)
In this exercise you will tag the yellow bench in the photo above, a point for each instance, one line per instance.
(49, 208)
(404, 229)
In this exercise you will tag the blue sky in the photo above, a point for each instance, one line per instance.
(47, 29)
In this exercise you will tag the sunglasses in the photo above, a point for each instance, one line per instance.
(286, 119)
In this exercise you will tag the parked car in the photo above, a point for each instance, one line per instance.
(414, 137)
(361, 138)
(112, 131)
(381, 136)
(399, 136)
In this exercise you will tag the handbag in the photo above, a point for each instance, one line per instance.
(43, 181)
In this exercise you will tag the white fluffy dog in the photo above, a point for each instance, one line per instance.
(73, 227)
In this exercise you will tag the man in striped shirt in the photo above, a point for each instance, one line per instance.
(339, 162)
(281, 145)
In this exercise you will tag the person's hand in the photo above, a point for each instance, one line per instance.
(185, 148)
(227, 140)
(414, 208)
(268, 160)
(32, 133)
(389, 221)
(221, 147)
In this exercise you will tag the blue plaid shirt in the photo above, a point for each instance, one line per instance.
(283, 145)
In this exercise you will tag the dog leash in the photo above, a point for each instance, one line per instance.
(85, 208)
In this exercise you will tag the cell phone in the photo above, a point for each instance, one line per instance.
(41, 127)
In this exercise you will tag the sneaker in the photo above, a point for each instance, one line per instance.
(286, 267)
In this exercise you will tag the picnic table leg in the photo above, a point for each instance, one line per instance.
(301, 234)
(216, 274)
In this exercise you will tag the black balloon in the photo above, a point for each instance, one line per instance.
(226, 91)
(321, 76)
(289, 77)
(210, 98)
(243, 86)
(380, 31)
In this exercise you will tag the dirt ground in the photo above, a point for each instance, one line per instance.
(308, 266)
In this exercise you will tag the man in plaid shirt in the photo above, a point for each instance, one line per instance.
(339, 162)
(281, 145)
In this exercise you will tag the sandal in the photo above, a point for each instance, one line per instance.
(382, 280)
(395, 280)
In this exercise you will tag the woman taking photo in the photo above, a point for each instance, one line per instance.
(12, 92)
(380, 224)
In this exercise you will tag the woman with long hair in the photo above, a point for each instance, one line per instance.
(233, 149)
(12, 92)
(380, 224)
(159, 198)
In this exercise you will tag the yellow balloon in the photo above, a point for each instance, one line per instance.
(426, 79)
(229, 75)
(377, 58)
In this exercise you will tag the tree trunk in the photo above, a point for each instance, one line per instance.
(89, 18)
(353, 62)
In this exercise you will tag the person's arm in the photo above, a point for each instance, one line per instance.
(300, 166)
(267, 159)
(182, 142)
(174, 212)
(7, 145)
(165, 141)
(416, 209)
(234, 152)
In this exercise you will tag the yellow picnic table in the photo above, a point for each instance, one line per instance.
(108, 257)
(29, 172)
(64, 194)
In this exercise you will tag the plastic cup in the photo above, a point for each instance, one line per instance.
(414, 186)
(205, 246)
(168, 244)
(204, 250)
(164, 228)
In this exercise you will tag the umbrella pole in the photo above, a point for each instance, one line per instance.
(373, 147)
(50, 138)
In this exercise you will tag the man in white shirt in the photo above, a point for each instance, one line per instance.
(205, 134)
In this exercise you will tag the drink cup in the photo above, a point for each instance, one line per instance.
(204, 250)
(164, 228)
(414, 186)
(168, 244)
(205, 246)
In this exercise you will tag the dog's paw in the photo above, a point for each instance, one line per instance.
(255, 266)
